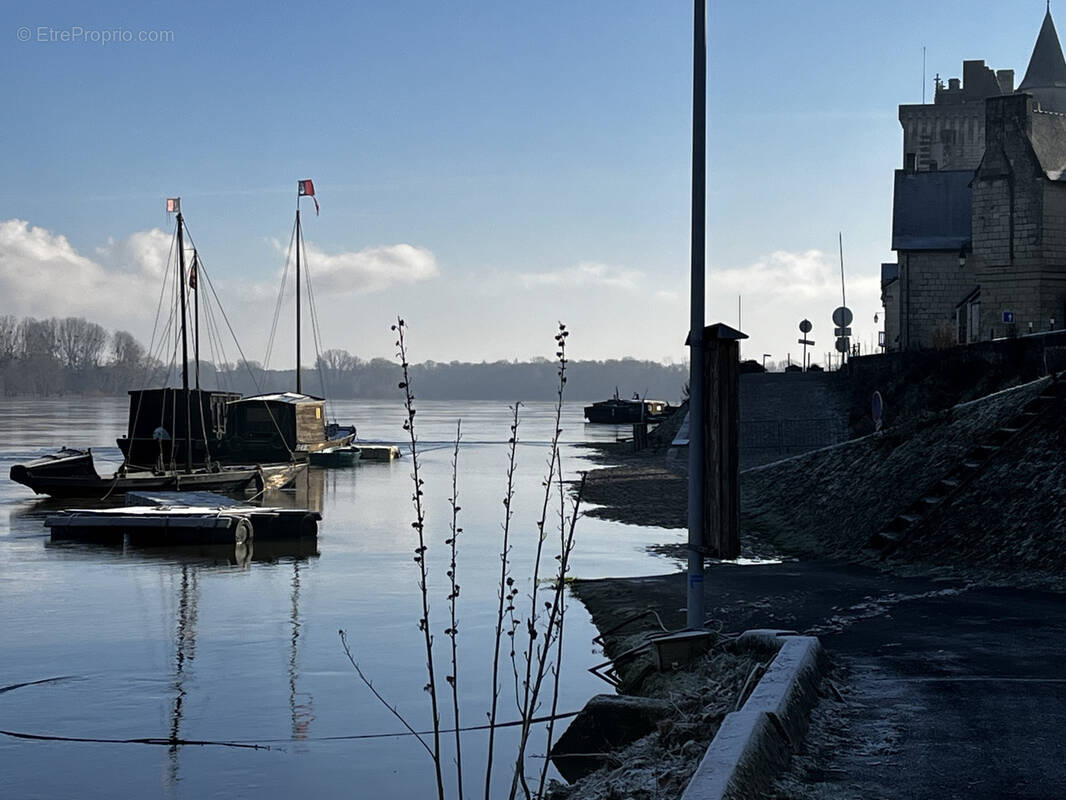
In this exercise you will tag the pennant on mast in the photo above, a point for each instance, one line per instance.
(173, 205)
(306, 188)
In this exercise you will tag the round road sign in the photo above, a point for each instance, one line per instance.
(842, 316)
(806, 326)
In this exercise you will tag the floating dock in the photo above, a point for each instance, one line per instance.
(167, 519)
(378, 452)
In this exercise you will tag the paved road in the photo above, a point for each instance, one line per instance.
(946, 691)
(959, 695)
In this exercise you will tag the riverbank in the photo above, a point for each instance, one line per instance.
(1003, 529)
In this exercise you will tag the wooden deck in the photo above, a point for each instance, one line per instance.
(163, 519)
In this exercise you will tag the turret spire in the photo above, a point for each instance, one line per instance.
(1047, 68)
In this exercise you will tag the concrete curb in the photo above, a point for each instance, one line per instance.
(755, 742)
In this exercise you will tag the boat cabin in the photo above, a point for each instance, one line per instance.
(274, 427)
(155, 434)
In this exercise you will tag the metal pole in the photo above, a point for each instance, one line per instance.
(184, 347)
(697, 423)
(299, 388)
(196, 315)
(843, 299)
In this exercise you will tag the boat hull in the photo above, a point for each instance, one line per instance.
(71, 473)
(627, 412)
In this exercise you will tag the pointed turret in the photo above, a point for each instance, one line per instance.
(1045, 78)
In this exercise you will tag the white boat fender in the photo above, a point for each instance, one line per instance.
(242, 530)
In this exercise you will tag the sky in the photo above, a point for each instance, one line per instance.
(484, 169)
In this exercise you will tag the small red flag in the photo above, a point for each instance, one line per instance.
(306, 188)
(192, 276)
(173, 205)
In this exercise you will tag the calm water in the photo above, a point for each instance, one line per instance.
(165, 644)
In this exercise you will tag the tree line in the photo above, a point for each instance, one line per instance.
(72, 355)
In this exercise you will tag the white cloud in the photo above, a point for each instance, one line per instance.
(372, 269)
(41, 274)
(585, 274)
(779, 290)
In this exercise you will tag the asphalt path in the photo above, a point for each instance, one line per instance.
(938, 689)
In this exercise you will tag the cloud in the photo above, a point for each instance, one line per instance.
(371, 269)
(585, 274)
(41, 274)
(780, 289)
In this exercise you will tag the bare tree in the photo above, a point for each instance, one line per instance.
(10, 338)
(39, 338)
(80, 342)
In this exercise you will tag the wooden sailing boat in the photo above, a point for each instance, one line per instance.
(286, 424)
(72, 473)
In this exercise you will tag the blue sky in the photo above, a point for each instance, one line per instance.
(484, 168)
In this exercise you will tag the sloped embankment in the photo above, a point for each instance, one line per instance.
(1011, 517)
(828, 502)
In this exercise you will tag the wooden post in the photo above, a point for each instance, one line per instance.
(721, 361)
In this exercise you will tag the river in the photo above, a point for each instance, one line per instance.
(166, 645)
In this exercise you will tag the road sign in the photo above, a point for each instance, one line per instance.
(805, 327)
(843, 345)
(808, 342)
(842, 331)
(1008, 317)
(842, 316)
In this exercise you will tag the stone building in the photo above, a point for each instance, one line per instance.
(979, 211)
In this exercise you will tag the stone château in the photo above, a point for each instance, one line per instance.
(979, 211)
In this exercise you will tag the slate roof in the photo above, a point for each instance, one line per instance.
(1047, 67)
(1045, 78)
(932, 210)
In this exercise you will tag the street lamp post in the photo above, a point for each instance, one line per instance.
(694, 617)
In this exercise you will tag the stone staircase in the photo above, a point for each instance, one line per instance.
(903, 525)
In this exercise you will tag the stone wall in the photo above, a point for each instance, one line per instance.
(783, 414)
(949, 136)
(1019, 226)
(930, 285)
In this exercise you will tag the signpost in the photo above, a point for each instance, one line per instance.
(842, 318)
(805, 328)
(878, 410)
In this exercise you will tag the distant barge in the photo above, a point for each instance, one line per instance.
(619, 411)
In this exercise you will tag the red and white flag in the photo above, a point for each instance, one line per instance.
(173, 205)
(192, 275)
(306, 188)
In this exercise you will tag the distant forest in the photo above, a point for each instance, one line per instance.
(56, 356)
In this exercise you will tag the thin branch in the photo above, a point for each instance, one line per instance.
(377, 694)
(566, 546)
(453, 631)
(506, 596)
(420, 552)
(531, 685)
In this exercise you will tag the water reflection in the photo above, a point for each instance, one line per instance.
(300, 713)
(184, 653)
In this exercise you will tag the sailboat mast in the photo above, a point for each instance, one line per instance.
(299, 244)
(196, 313)
(184, 346)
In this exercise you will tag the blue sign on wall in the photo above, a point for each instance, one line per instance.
(1008, 317)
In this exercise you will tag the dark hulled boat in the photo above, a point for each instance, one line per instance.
(619, 411)
(71, 473)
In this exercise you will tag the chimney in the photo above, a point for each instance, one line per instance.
(1006, 80)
